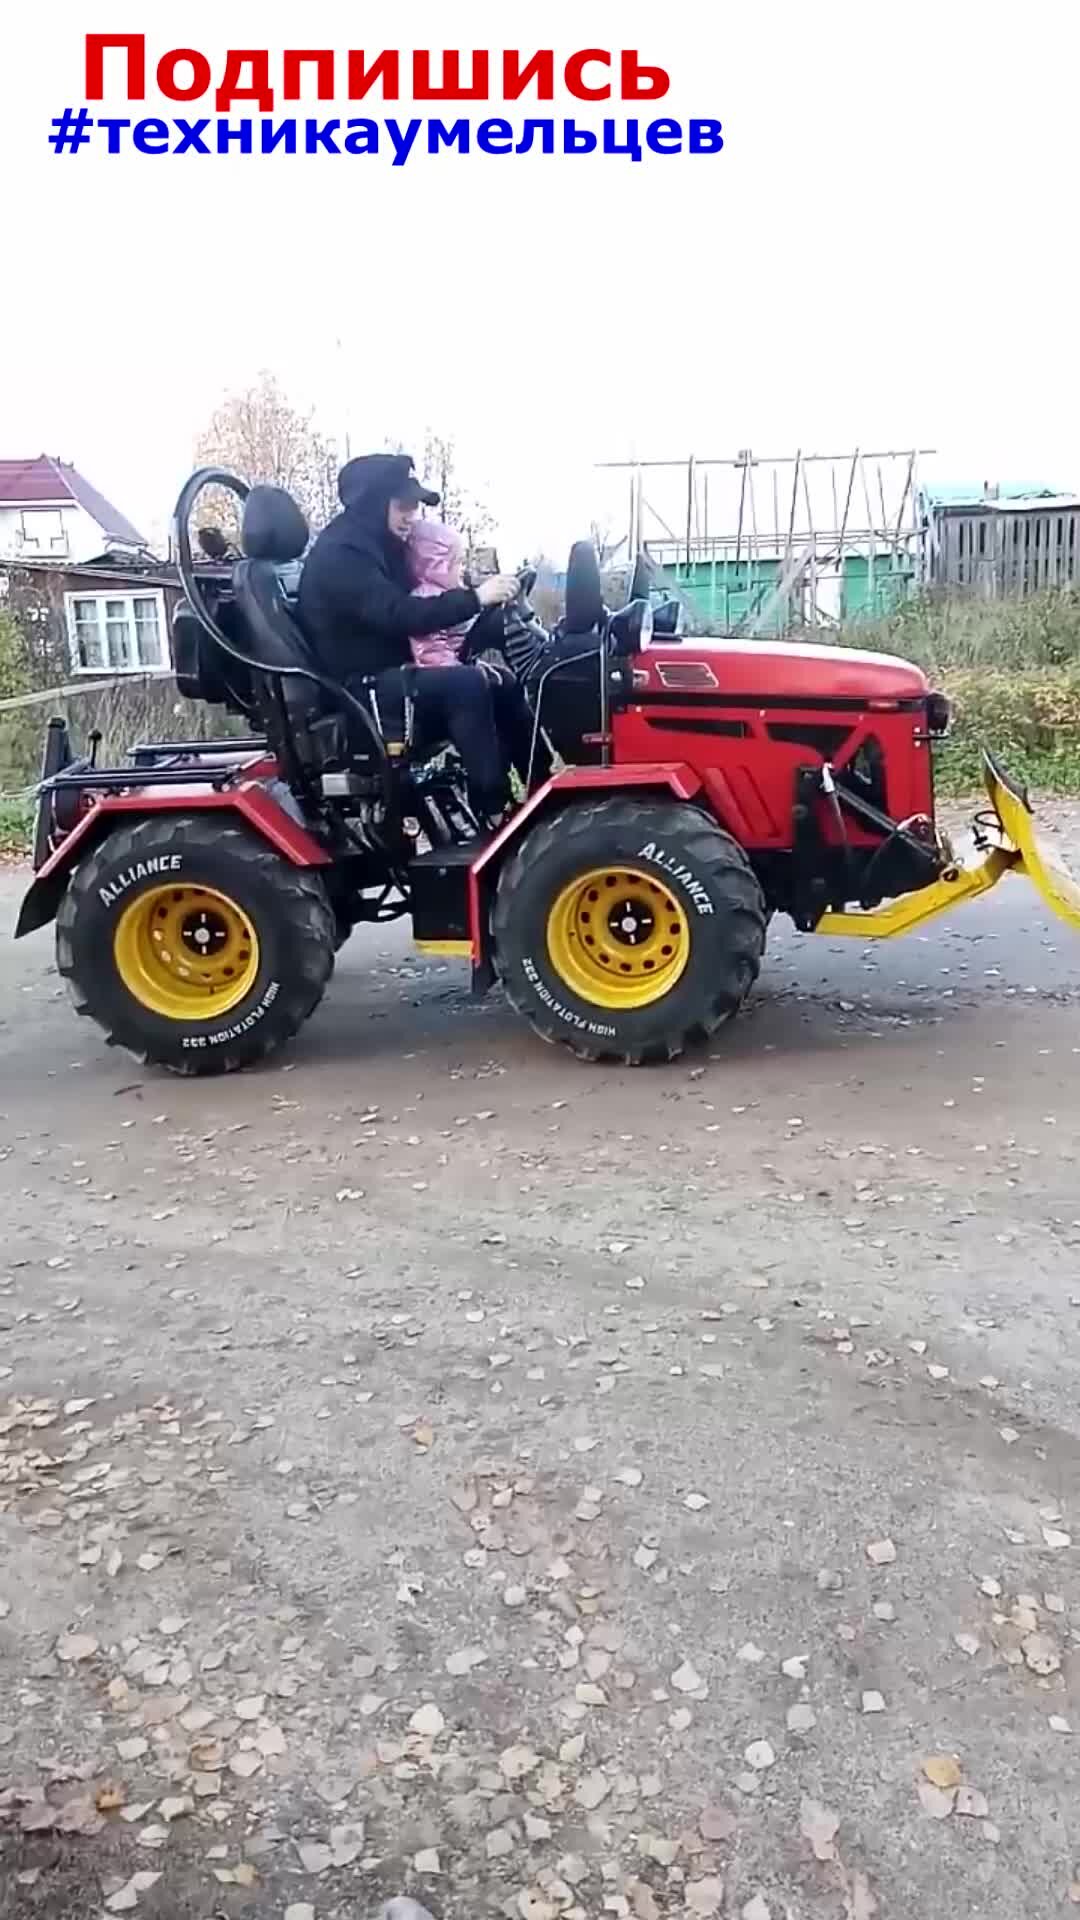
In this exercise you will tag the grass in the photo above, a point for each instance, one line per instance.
(941, 631)
(1011, 669)
(16, 826)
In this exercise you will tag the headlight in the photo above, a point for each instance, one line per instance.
(938, 715)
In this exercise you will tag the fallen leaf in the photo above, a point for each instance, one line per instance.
(516, 1763)
(801, 1719)
(717, 1823)
(859, 1901)
(971, 1804)
(592, 1791)
(820, 1827)
(704, 1896)
(464, 1661)
(79, 1816)
(936, 1801)
(110, 1796)
(74, 1647)
(347, 1843)
(942, 1770)
(38, 1817)
(881, 1553)
(314, 1857)
(1041, 1654)
(428, 1722)
(685, 1680)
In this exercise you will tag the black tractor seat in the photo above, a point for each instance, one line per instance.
(275, 534)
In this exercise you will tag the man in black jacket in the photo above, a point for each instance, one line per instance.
(358, 611)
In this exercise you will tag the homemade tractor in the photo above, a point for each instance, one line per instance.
(201, 892)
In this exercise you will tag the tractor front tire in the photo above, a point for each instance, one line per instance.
(628, 930)
(194, 945)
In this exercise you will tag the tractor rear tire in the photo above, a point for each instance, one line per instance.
(193, 945)
(628, 930)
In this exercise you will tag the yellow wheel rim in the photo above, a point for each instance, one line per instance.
(617, 938)
(186, 953)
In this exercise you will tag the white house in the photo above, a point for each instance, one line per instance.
(58, 531)
(49, 512)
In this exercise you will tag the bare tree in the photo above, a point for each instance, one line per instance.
(261, 436)
(460, 507)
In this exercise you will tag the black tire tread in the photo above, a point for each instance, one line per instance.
(303, 902)
(713, 851)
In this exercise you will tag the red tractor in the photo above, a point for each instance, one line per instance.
(201, 892)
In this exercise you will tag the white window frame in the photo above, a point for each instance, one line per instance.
(128, 596)
(31, 531)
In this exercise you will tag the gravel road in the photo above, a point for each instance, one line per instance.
(433, 1465)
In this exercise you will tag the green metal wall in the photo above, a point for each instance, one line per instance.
(868, 594)
(727, 593)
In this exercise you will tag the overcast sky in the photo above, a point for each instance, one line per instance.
(885, 254)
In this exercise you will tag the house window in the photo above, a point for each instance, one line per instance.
(42, 532)
(116, 632)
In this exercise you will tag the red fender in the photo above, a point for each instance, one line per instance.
(251, 803)
(673, 776)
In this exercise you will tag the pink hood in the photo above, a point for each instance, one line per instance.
(435, 553)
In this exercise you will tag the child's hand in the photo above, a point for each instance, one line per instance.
(497, 591)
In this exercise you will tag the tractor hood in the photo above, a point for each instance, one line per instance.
(801, 674)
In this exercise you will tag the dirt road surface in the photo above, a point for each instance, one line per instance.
(432, 1465)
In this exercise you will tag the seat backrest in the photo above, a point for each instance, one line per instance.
(273, 532)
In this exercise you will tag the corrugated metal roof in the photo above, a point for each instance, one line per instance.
(949, 494)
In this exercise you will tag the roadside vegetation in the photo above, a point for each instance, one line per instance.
(1012, 671)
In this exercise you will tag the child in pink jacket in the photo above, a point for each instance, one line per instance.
(436, 555)
(436, 558)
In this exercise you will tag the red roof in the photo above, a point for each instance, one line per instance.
(48, 482)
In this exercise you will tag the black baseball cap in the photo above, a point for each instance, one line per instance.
(383, 476)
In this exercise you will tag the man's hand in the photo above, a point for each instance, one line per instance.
(496, 592)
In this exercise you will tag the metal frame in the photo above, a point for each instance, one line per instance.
(791, 545)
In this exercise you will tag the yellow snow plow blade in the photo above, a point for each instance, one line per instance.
(1047, 875)
(958, 883)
